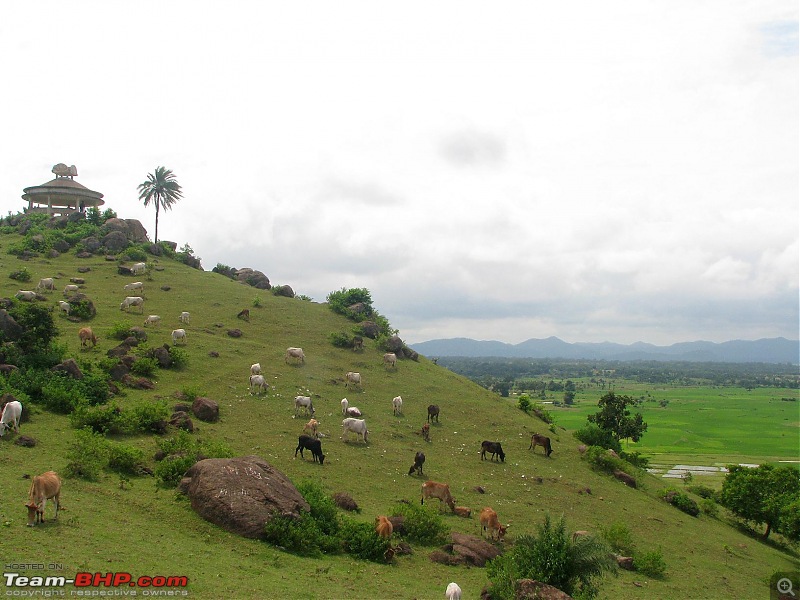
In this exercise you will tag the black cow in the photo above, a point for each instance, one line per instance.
(419, 460)
(433, 413)
(494, 448)
(307, 442)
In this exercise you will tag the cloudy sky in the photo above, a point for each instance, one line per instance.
(617, 170)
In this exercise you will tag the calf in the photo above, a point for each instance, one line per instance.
(434, 489)
(138, 268)
(453, 591)
(463, 511)
(244, 314)
(255, 369)
(543, 441)
(383, 527)
(349, 411)
(390, 360)
(397, 405)
(493, 448)
(64, 307)
(184, 317)
(311, 427)
(419, 460)
(426, 432)
(490, 523)
(310, 443)
(70, 289)
(257, 382)
(295, 354)
(433, 413)
(43, 488)
(85, 334)
(152, 320)
(12, 413)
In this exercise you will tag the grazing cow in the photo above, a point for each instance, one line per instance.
(543, 441)
(419, 460)
(494, 448)
(26, 295)
(255, 369)
(383, 527)
(43, 488)
(244, 314)
(463, 511)
(311, 427)
(390, 359)
(303, 402)
(296, 354)
(136, 285)
(434, 489)
(138, 268)
(132, 301)
(311, 443)
(433, 413)
(577, 534)
(178, 334)
(349, 411)
(357, 426)
(397, 405)
(184, 318)
(352, 378)
(358, 343)
(85, 334)
(258, 382)
(152, 320)
(490, 523)
(12, 412)
(453, 592)
(426, 432)
(46, 284)
(64, 307)
(70, 289)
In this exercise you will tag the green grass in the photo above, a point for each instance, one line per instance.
(149, 530)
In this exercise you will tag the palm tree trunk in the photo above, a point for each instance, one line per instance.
(156, 235)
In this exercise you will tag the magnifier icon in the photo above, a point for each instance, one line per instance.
(784, 586)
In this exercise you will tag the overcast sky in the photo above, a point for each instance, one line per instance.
(598, 171)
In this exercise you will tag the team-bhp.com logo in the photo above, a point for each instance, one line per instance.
(91, 584)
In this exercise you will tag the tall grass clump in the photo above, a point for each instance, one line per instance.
(423, 524)
(87, 455)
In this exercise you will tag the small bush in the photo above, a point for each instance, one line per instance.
(22, 275)
(182, 451)
(681, 501)
(81, 309)
(169, 471)
(144, 366)
(709, 507)
(361, 541)
(651, 564)
(100, 419)
(125, 459)
(422, 523)
(87, 455)
(592, 435)
(150, 417)
(323, 508)
(635, 458)
(540, 411)
(524, 403)
(341, 340)
(179, 357)
(135, 254)
(257, 302)
(702, 490)
(619, 538)
(120, 331)
(60, 398)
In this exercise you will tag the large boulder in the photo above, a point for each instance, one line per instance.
(115, 241)
(528, 589)
(254, 278)
(241, 494)
(465, 549)
(133, 229)
(369, 329)
(70, 367)
(205, 409)
(10, 329)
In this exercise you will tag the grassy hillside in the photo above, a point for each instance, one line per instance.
(148, 530)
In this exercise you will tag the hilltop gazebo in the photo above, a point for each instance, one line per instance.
(61, 196)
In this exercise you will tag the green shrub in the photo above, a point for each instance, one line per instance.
(635, 458)
(651, 564)
(125, 459)
(60, 398)
(256, 301)
(592, 435)
(300, 536)
(22, 275)
(225, 270)
(81, 309)
(179, 357)
(171, 469)
(361, 540)
(144, 366)
(150, 417)
(702, 490)
(323, 508)
(552, 557)
(524, 403)
(120, 330)
(100, 419)
(709, 507)
(540, 411)
(619, 538)
(87, 455)
(181, 452)
(341, 340)
(422, 523)
(135, 254)
(681, 501)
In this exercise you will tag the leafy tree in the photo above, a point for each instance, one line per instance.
(162, 189)
(765, 494)
(615, 417)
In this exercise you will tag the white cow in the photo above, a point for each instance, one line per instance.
(255, 369)
(10, 418)
(352, 378)
(70, 289)
(390, 359)
(357, 426)
(397, 405)
(184, 318)
(178, 334)
(132, 301)
(258, 382)
(136, 285)
(453, 591)
(152, 320)
(349, 411)
(64, 307)
(296, 353)
(27, 295)
(138, 268)
(46, 283)
(303, 402)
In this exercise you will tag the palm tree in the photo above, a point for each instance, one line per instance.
(162, 189)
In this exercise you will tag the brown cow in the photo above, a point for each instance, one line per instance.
(244, 314)
(86, 334)
(433, 413)
(434, 489)
(43, 487)
(490, 522)
(543, 441)
(383, 527)
(463, 511)
(426, 432)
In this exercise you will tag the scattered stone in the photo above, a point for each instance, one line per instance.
(25, 441)
(345, 501)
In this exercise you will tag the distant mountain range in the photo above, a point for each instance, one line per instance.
(774, 350)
